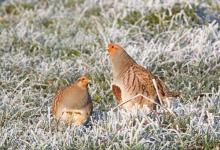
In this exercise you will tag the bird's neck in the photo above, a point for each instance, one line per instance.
(121, 63)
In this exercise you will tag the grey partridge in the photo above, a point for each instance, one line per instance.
(73, 104)
(131, 79)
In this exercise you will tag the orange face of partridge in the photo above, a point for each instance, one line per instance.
(83, 82)
(113, 48)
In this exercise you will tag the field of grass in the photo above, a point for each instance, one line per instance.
(47, 44)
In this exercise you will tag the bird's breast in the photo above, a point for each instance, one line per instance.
(75, 101)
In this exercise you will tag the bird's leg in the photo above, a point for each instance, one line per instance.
(59, 120)
(168, 102)
(158, 94)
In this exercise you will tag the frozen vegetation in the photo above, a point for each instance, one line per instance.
(47, 44)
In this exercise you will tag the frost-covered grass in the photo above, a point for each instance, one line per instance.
(45, 45)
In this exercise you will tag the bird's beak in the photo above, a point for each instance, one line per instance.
(87, 82)
(110, 48)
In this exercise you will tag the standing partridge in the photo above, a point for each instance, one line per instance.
(131, 79)
(73, 104)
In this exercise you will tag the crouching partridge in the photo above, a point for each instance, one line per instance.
(73, 104)
(131, 79)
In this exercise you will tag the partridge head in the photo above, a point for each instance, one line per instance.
(73, 104)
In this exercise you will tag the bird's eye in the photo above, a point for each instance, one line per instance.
(112, 46)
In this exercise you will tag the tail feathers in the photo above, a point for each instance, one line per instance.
(198, 96)
(173, 94)
(165, 90)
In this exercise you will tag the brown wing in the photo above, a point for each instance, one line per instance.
(143, 78)
(117, 92)
(146, 77)
(138, 80)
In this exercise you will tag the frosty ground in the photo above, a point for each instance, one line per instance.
(46, 45)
